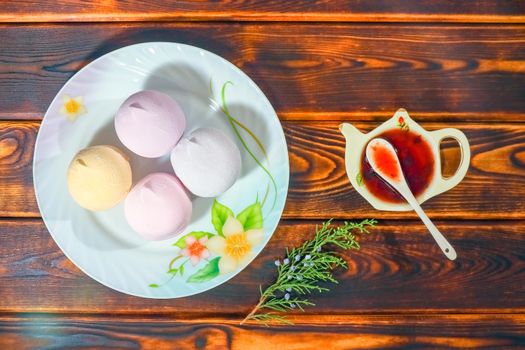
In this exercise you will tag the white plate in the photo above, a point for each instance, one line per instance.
(101, 243)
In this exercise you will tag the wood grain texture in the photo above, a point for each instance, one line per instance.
(503, 11)
(308, 71)
(399, 292)
(363, 332)
(16, 163)
(319, 187)
(489, 190)
(398, 270)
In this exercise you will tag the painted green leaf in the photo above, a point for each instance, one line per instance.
(251, 217)
(181, 269)
(154, 285)
(211, 270)
(359, 179)
(219, 214)
(181, 243)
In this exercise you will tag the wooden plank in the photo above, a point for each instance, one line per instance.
(504, 11)
(308, 71)
(363, 332)
(17, 141)
(399, 269)
(491, 189)
(319, 186)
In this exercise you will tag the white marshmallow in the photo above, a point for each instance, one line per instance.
(207, 162)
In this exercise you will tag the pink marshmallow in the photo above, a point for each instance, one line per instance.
(150, 123)
(158, 207)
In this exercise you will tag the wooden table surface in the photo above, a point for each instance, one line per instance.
(450, 63)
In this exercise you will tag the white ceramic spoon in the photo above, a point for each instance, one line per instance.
(383, 158)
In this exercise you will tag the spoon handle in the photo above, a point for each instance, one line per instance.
(441, 241)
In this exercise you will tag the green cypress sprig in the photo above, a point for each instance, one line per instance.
(303, 269)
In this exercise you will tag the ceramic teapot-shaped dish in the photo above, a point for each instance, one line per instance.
(418, 152)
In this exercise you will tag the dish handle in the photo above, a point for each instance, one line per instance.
(445, 184)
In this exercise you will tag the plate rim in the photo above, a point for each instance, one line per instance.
(281, 135)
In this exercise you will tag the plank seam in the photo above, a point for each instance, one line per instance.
(269, 17)
(517, 24)
(237, 317)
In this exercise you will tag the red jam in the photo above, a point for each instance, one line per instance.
(417, 162)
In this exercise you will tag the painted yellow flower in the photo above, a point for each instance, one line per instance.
(72, 107)
(236, 247)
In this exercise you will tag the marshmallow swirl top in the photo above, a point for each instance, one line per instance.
(99, 177)
(158, 207)
(150, 123)
(207, 162)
